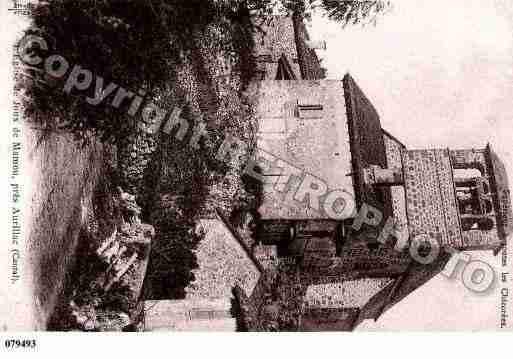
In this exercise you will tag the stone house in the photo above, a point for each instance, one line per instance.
(319, 138)
(224, 263)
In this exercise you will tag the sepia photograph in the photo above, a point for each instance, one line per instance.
(256, 166)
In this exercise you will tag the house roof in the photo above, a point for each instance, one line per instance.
(388, 134)
(282, 36)
(309, 63)
(275, 38)
(285, 70)
(223, 263)
(367, 144)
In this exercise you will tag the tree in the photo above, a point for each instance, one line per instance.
(135, 43)
(139, 45)
(353, 12)
(344, 11)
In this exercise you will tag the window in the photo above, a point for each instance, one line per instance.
(310, 111)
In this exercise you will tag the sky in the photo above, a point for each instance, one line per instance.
(440, 74)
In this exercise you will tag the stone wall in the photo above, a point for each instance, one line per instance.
(314, 140)
(275, 36)
(361, 260)
(347, 294)
(189, 315)
(431, 200)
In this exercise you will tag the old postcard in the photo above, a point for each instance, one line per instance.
(256, 166)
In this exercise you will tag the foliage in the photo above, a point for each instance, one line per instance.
(131, 43)
(346, 12)
(139, 44)
(135, 43)
(354, 12)
(172, 261)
